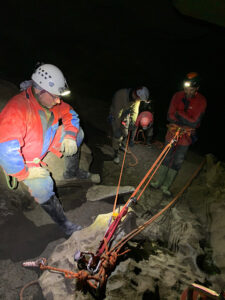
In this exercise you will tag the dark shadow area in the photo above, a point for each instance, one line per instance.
(110, 200)
(73, 197)
(86, 214)
(95, 138)
(115, 44)
(38, 295)
(150, 295)
(21, 239)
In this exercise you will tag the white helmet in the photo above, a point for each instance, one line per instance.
(143, 93)
(51, 79)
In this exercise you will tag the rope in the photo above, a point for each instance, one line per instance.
(143, 226)
(135, 159)
(121, 172)
(111, 229)
(153, 173)
(154, 167)
(143, 141)
(107, 264)
(108, 259)
(26, 286)
(136, 142)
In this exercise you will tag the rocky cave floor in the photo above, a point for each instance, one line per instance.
(189, 237)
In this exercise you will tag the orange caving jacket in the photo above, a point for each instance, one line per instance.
(186, 113)
(26, 134)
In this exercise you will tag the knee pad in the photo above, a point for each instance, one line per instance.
(40, 188)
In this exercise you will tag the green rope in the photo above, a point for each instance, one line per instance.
(11, 182)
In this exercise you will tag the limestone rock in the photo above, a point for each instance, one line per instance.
(99, 192)
(95, 178)
(215, 173)
(54, 285)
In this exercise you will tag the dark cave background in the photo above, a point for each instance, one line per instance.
(102, 46)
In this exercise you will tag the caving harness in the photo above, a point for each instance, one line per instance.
(184, 130)
(96, 268)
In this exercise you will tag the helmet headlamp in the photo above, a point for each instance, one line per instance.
(187, 84)
(64, 91)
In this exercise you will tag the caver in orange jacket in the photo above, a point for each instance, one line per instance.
(26, 135)
(186, 113)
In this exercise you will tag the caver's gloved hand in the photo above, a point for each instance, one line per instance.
(68, 147)
(37, 172)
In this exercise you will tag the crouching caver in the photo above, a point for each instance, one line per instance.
(186, 110)
(30, 128)
(144, 124)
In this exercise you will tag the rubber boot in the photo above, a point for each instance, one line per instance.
(168, 181)
(54, 209)
(72, 168)
(149, 141)
(123, 146)
(161, 175)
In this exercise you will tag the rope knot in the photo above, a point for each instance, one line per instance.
(113, 258)
(105, 261)
(109, 260)
(82, 275)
